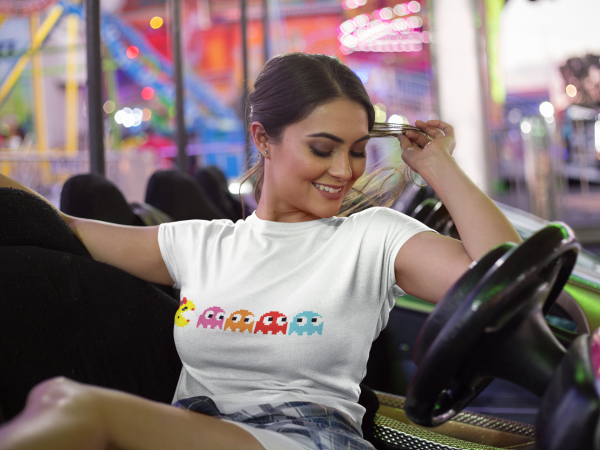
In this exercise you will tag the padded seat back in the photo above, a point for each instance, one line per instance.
(24, 220)
(214, 184)
(91, 196)
(180, 196)
(65, 314)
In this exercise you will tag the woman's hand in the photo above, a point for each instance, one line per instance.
(424, 155)
(480, 223)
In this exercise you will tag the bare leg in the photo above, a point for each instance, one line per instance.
(64, 415)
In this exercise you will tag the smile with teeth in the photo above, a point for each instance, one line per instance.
(327, 188)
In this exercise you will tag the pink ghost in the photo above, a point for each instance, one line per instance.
(212, 317)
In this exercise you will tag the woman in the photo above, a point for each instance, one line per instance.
(278, 310)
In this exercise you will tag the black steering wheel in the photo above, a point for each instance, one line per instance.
(491, 325)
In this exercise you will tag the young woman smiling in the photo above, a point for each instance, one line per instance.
(287, 302)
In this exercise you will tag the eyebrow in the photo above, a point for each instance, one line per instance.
(333, 137)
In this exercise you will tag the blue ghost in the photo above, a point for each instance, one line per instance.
(306, 323)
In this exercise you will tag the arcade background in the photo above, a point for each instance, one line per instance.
(541, 159)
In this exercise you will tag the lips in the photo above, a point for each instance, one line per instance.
(327, 194)
(328, 187)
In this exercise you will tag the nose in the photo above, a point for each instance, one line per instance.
(340, 168)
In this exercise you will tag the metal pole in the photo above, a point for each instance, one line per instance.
(181, 134)
(244, 24)
(94, 86)
(266, 29)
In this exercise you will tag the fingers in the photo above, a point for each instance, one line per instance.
(406, 144)
(418, 138)
(446, 128)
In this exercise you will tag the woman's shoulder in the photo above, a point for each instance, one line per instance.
(195, 227)
(382, 219)
(379, 213)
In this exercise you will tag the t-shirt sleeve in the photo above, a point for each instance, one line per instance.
(387, 231)
(394, 229)
(182, 245)
(170, 238)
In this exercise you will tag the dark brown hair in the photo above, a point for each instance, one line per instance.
(293, 85)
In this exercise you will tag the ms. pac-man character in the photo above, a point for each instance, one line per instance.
(184, 305)
(241, 321)
(212, 317)
(307, 323)
(271, 323)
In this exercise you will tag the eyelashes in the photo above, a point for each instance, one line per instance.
(322, 154)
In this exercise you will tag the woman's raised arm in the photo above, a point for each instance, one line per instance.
(134, 250)
(428, 265)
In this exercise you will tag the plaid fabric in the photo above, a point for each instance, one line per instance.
(325, 426)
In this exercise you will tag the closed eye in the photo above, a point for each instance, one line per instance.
(322, 154)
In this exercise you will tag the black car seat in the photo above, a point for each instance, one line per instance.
(180, 196)
(214, 184)
(64, 313)
(91, 196)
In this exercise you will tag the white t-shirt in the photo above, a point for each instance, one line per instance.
(277, 312)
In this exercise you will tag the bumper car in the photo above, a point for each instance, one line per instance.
(490, 324)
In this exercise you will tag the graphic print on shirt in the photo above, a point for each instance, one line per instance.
(184, 305)
(242, 320)
(212, 317)
(307, 323)
(272, 322)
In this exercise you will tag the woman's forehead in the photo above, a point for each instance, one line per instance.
(343, 118)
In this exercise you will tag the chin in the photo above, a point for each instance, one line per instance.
(325, 212)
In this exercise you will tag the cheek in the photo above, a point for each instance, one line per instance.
(358, 167)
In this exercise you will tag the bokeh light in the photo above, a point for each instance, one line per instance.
(349, 41)
(246, 188)
(132, 52)
(156, 22)
(514, 116)
(396, 118)
(380, 112)
(109, 106)
(129, 117)
(401, 10)
(571, 90)
(525, 127)
(414, 7)
(147, 93)
(347, 27)
(386, 13)
(415, 22)
(146, 114)
(546, 109)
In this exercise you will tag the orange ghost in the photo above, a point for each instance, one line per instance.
(241, 321)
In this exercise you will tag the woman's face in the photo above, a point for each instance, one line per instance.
(316, 163)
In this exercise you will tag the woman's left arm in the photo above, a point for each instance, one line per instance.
(428, 264)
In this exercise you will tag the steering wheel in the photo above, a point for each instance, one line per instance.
(491, 324)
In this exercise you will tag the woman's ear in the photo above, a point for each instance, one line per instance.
(261, 139)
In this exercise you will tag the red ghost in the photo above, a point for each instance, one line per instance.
(271, 323)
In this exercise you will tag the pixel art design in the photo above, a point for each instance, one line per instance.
(242, 320)
(184, 305)
(272, 322)
(212, 317)
(306, 323)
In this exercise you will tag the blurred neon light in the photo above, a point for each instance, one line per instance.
(132, 52)
(156, 22)
(385, 31)
(546, 109)
(147, 93)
